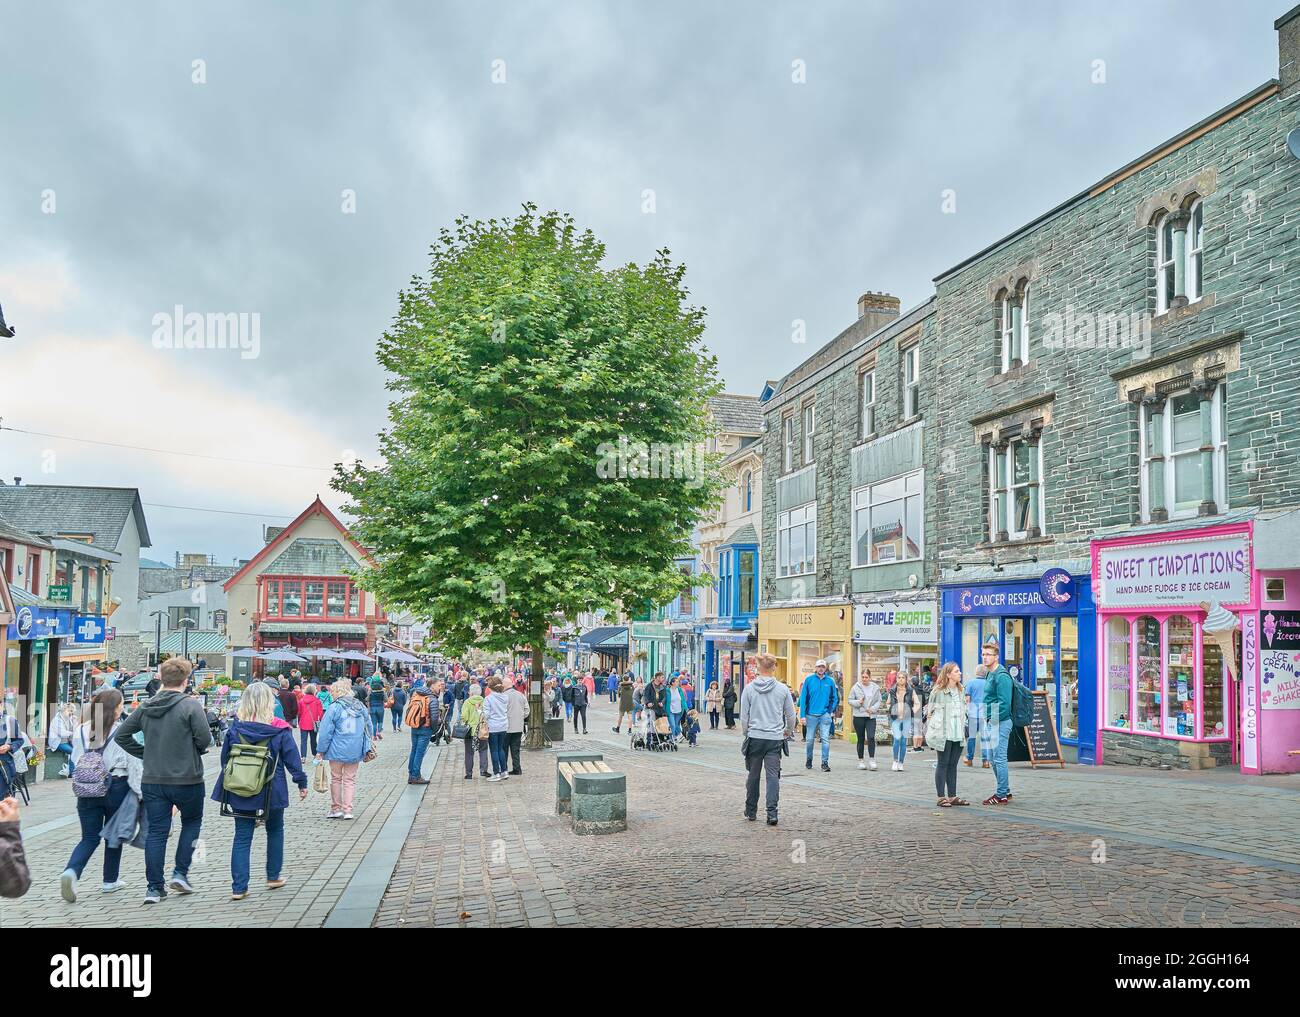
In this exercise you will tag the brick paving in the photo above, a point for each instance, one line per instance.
(1182, 850)
(321, 857)
(1209, 852)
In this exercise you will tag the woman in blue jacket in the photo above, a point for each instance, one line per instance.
(255, 724)
(344, 739)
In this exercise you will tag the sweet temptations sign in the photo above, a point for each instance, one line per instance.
(1179, 573)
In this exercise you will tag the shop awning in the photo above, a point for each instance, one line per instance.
(313, 628)
(199, 642)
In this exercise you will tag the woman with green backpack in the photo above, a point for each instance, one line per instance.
(252, 786)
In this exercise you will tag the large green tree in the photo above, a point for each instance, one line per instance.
(544, 454)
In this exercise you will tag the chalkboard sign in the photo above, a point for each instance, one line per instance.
(1041, 733)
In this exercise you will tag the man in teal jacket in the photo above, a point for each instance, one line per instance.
(997, 710)
(818, 698)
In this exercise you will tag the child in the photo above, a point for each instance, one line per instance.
(692, 727)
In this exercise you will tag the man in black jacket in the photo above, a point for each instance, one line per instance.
(579, 706)
(176, 735)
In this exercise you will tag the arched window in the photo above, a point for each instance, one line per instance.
(1164, 263)
(1175, 229)
(747, 491)
(1013, 327)
(1195, 239)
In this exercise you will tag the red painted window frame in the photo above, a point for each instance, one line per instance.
(301, 582)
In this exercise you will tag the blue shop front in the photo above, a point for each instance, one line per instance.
(1046, 628)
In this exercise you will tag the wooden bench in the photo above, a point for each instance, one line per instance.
(566, 764)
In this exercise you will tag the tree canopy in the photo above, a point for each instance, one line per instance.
(543, 454)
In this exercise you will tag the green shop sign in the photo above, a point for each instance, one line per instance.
(61, 594)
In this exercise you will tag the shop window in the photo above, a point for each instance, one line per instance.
(1119, 673)
(315, 600)
(273, 599)
(888, 521)
(338, 599)
(1215, 673)
(724, 583)
(866, 404)
(796, 541)
(1177, 477)
(1045, 647)
(1147, 710)
(1069, 716)
(292, 599)
(1013, 647)
(1180, 678)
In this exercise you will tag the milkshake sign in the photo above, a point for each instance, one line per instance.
(1183, 573)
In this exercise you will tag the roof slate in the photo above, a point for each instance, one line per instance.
(52, 509)
(737, 414)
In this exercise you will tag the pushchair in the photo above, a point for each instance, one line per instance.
(644, 735)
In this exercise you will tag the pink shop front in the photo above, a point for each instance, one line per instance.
(1198, 635)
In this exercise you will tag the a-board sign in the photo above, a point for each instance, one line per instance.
(1037, 743)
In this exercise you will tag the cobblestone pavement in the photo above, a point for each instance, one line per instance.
(321, 857)
(1179, 850)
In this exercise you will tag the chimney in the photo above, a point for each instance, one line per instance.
(1288, 51)
(877, 309)
(18, 481)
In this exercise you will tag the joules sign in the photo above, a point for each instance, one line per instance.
(1180, 573)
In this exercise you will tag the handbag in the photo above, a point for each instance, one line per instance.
(320, 777)
(661, 725)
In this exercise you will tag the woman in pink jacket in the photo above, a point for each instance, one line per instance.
(310, 711)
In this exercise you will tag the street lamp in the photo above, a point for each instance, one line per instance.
(186, 624)
(157, 639)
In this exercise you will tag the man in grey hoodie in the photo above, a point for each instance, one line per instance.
(176, 734)
(767, 720)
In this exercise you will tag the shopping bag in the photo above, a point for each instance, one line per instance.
(320, 777)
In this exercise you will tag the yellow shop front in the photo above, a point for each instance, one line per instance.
(800, 636)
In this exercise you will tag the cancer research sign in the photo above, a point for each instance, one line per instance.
(1181, 573)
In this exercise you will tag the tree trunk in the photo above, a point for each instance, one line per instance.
(536, 715)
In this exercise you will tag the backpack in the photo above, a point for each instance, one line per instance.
(249, 768)
(1022, 704)
(90, 778)
(417, 712)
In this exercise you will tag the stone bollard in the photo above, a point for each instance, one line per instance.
(599, 803)
(554, 728)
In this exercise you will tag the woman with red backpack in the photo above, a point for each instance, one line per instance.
(99, 781)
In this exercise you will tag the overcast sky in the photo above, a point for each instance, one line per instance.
(785, 200)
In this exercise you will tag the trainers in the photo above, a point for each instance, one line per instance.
(968, 762)
(808, 765)
(154, 897)
(275, 884)
(986, 764)
(826, 767)
(872, 765)
(615, 730)
(336, 814)
(417, 780)
(68, 886)
(494, 778)
(862, 766)
(771, 820)
(113, 887)
(181, 885)
(996, 799)
(347, 815)
(751, 816)
(894, 765)
(239, 896)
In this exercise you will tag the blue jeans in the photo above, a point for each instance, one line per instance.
(377, 718)
(243, 845)
(94, 813)
(979, 733)
(497, 742)
(1000, 770)
(158, 800)
(819, 722)
(419, 745)
(898, 730)
(674, 723)
(66, 749)
(396, 711)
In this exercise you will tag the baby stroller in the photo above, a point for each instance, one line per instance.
(644, 735)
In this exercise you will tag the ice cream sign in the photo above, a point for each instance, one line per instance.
(1180, 573)
(1280, 662)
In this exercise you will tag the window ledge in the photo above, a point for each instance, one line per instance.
(1001, 545)
(1012, 375)
(1177, 314)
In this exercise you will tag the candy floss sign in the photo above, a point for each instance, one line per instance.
(1175, 574)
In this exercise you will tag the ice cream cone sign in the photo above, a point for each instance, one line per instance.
(1220, 626)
